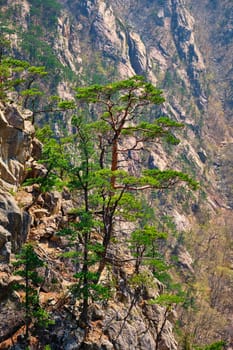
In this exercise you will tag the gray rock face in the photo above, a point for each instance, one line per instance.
(182, 29)
(15, 146)
(15, 150)
(14, 225)
(137, 53)
(11, 318)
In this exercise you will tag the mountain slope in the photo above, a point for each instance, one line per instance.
(182, 46)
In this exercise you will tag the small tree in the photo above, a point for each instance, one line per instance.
(26, 264)
(18, 75)
(10, 75)
(31, 90)
(168, 301)
(144, 247)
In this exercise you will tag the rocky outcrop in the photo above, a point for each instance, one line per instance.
(111, 325)
(182, 29)
(105, 331)
(67, 45)
(16, 133)
(14, 225)
(137, 53)
(11, 317)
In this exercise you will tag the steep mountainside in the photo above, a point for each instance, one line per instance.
(166, 41)
(184, 47)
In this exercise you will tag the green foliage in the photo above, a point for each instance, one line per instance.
(215, 346)
(47, 11)
(158, 129)
(91, 290)
(29, 261)
(142, 280)
(122, 92)
(169, 178)
(66, 105)
(54, 158)
(41, 319)
(39, 51)
(31, 92)
(167, 300)
(26, 265)
(4, 45)
(10, 76)
(18, 75)
(44, 134)
(36, 41)
(87, 255)
(144, 247)
(47, 347)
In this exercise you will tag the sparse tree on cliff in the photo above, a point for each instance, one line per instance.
(93, 161)
(26, 264)
(18, 75)
(108, 193)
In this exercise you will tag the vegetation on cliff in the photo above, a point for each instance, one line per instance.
(94, 44)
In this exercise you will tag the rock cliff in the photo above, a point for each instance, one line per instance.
(16, 134)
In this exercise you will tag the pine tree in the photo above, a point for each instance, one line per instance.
(90, 163)
(26, 264)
